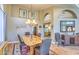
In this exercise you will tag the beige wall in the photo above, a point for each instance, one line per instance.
(15, 11)
(10, 23)
(8, 9)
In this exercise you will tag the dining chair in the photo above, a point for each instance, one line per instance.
(57, 38)
(27, 33)
(44, 47)
(63, 39)
(24, 49)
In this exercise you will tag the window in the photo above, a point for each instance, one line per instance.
(67, 26)
(32, 14)
(2, 7)
(23, 13)
(1, 26)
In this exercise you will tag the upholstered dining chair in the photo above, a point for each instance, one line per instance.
(44, 47)
(24, 49)
(63, 39)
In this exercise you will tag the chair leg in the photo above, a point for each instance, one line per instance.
(37, 52)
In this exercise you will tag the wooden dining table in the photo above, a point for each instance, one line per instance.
(32, 42)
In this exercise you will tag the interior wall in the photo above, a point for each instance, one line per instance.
(21, 26)
(56, 14)
(15, 10)
(11, 32)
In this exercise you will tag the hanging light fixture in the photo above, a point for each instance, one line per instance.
(31, 20)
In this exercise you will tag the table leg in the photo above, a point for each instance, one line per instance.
(31, 50)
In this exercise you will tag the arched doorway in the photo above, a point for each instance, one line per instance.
(47, 25)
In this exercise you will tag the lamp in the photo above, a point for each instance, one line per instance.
(31, 20)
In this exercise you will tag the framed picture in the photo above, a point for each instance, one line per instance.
(67, 26)
(23, 13)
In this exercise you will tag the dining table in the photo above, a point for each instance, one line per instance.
(32, 42)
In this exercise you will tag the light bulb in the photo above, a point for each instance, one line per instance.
(34, 22)
(28, 21)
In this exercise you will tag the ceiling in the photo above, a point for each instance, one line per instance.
(43, 6)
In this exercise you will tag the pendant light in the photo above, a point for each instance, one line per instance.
(30, 20)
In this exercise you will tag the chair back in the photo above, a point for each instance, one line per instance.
(24, 49)
(44, 48)
(63, 37)
(57, 38)
(19, 38)
(27, 33)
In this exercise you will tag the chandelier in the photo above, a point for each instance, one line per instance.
(31, 20)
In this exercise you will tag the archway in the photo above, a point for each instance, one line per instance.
(47, 17)
(68, 14)
(47, 25)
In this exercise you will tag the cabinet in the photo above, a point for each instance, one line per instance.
(71, 40)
